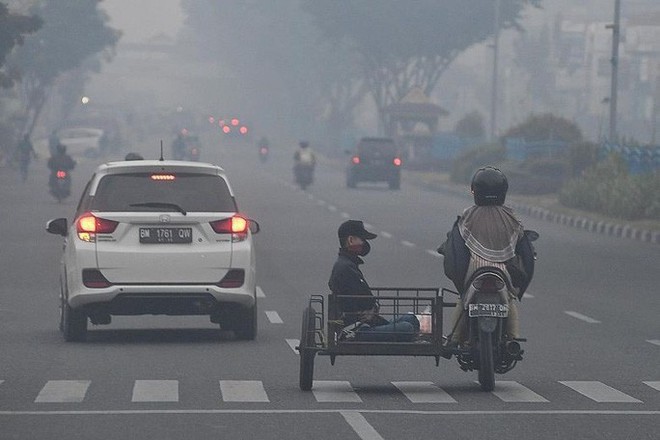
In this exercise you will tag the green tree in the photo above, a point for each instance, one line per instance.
(13, 29)
(471, 126)
(74, 33)
(546, 127)
(403, 44)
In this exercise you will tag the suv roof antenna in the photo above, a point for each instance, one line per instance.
(161, 151)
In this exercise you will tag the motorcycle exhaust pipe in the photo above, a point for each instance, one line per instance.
(513, 348)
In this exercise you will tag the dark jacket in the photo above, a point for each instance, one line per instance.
(347, 279)
(457, 261)
(61, 162)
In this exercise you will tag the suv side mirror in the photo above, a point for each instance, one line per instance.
(254, 226)
(58, 226)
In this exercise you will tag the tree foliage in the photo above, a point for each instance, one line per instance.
(404, 44)
(546, 127)
(13, 29)
(74, 32)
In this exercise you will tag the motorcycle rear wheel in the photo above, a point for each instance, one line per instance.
(486, 361)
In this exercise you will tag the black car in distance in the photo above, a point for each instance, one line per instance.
(375, 160)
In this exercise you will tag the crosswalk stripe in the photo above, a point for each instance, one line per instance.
(274, 317)
(293, 343)
(260, 293)
(423, 392)
(243, 391)
(155, 391)
(509, 391)
(599, 392)
(653, 384)
(334, 391)
(57, 391)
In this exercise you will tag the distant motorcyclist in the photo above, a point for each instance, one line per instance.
(179, 147)
(24, 153)
(60, 161)
(304, 162)
(263, 148)
(488, 234)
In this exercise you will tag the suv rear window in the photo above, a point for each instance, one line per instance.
(192, 192)
(382, 147)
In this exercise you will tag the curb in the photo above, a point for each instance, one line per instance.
(578, 222)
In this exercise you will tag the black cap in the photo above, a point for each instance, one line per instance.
(356, 228)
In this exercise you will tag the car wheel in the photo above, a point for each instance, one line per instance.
(245, 327)
(73, 323)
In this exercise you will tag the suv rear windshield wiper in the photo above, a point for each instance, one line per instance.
(173, 206)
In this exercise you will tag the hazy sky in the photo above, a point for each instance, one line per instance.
(140, 20)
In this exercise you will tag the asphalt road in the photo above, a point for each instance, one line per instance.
(590, 369)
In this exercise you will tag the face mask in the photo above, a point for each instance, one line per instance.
(360, 249)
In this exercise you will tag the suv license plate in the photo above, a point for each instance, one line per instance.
(165, 235)
(495, 310)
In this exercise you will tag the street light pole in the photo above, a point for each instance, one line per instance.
(616, 35)
(493, 103)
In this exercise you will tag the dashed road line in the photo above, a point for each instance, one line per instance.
(332, 208)
(582, 317)
(407, 243)
(260, 293)
(345, 215)
(274, 317)
(509, 391)
(293, 343)
(362, 428)
(155, 391)
(385, 234)
(653, 341)
(653, 384)
(424, 392)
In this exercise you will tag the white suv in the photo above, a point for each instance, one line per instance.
(161, 238)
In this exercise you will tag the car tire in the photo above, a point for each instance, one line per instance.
(245, 327)
(73, 323)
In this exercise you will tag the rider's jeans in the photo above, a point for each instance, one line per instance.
(403, 329)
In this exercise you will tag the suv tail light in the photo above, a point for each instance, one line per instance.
(355, 160)
(233, 278)
(88, 225)
(397, 161)
(236, 225)
(94, 279)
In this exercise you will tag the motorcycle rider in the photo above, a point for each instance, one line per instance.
(60, 161)
(24, 153)
(304, 162)
(488, 234)
(360, 316)
(179, 147)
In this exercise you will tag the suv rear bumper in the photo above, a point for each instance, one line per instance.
(373, 173)
(160, 299)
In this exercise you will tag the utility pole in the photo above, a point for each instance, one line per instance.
(493, 104)
(616, 36)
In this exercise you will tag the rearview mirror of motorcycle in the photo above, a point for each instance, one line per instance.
(57, 226)
(531, 235)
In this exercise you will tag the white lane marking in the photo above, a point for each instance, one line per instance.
(653, 384)
(57, 391)
(334, 391)
(320, 202)
(243, 391)
(510, 391)
(368, 226)
(582, 317)
(332, 208)
(528, 295)
(310, 196)
(407, 243)
(293, 343)
(260, 293)
(423, 392)
(155, 391)
(345, 215)
(599, 392)
(385, 234)
(362, 428)
(654, 341)
(274, 317)
(434, 253)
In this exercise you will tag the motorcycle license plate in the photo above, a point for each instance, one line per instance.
(494, 310)
(165, 235)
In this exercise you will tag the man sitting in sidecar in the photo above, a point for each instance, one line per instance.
(358, 306)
